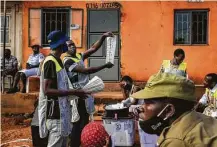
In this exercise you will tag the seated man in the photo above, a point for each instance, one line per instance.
(32, 67)
(176, 65)
(127, 88)
(11, 64)
(167, 111)
(209, 99)
(126, 85)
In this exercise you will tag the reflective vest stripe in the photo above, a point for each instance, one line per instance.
(166, 63)
(72, 58)
(208, 92)
(76, 59)
(58, 67)
(182, 66)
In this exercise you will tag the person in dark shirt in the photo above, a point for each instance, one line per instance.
(54, 106)
(50, 73)
(126, 85)
(11, 64)
(79, 77)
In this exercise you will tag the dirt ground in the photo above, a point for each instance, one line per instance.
(15, 132)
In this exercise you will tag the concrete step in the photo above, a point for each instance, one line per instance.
(108, 97)
(114, 86)
(18, 102)
(34, 85)
(24, 102)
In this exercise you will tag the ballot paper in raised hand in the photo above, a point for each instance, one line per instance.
(110, 49)
(94, 85)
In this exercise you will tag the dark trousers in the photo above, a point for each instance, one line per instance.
(79, 125)
(36, 140)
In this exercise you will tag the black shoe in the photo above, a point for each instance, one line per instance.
(12, 90)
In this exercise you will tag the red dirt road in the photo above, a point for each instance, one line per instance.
(15, 129)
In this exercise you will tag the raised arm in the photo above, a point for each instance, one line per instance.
(96, 45)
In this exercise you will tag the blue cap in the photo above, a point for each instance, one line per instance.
(57, 38)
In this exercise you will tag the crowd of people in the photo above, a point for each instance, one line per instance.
(165, 109)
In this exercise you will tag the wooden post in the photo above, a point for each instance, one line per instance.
(4, 42)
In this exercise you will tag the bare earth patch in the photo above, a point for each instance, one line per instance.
(15, 129)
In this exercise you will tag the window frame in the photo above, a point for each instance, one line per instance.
(190, 11)
(42, 25)
(9, 30)
(29, 42)
(82, 25)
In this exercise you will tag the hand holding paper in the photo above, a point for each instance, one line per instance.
(110, 49)
(109, 65)
(94, 85)
(108, 34)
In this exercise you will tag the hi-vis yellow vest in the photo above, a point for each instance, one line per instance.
(182, 66)
(74, 59)
(64, 104)
(181, 70)
(211, 95)
(208, 92)
(78, 80)
(58, 67)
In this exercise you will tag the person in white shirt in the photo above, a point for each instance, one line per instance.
(32, 67)
(209, 98)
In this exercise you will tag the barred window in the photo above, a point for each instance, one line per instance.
(7, 29)
(54, 19)
(191, 27)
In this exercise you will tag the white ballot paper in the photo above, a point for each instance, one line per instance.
(110, 49)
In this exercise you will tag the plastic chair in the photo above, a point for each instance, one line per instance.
(8, 82)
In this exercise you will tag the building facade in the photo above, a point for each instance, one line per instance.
(147, 33)
(13, 28)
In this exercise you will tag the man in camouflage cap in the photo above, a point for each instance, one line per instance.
(167, 111)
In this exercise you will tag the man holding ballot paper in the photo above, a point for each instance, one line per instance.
(79, 77)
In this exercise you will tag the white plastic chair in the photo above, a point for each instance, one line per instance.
(8, 82)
